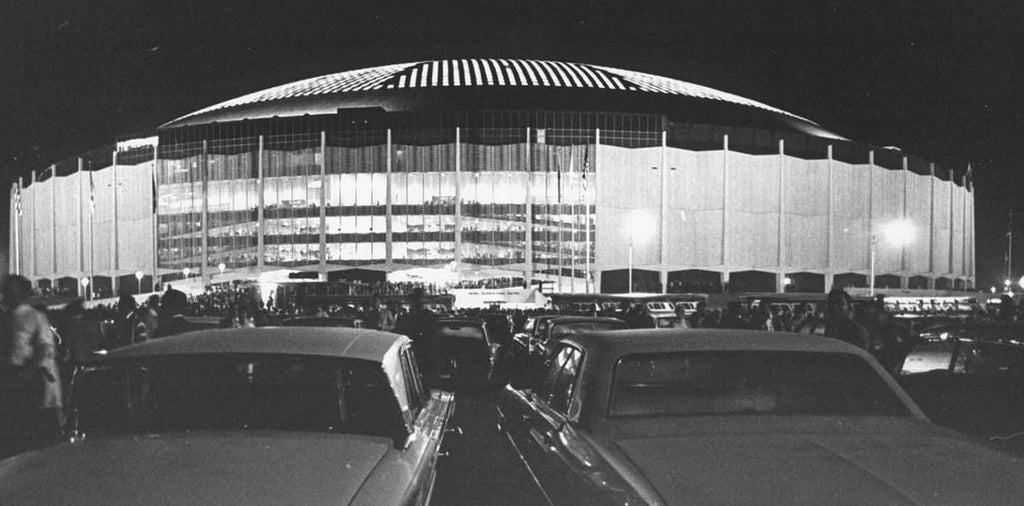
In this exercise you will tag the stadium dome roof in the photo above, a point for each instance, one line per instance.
(499, 84)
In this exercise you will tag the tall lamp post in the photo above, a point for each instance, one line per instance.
(138, 277)
(640, 226)
(85, 288)
(897, 233)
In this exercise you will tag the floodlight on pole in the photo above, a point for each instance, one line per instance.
(896, 233)
(138, 277)
(640, 228)
(85, 286)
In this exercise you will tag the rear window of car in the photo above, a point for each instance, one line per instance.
(580, 327)
(750, 382)
(183, 393)
(461, 332)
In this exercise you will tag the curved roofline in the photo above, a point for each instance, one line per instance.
(491, 84)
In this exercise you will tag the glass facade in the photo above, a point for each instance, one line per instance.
(509, 191)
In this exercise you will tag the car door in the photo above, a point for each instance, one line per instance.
(551, 447)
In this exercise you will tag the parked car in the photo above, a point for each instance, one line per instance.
(534, 327)
(559, 328)
(673, 416)
(970, 377)
(469, 358)
(499, 327)
(317, 321)
(243, 416)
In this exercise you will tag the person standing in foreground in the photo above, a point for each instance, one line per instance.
(32, 379)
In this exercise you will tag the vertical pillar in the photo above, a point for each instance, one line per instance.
(725, 281)
(156, 220)
(53, 220)
(204, 223)
(589, 284)
(528, 275)
(114, 260)
(663, 269)
(388, 210)
(260, 200)
(34, 269)
(81, 222)
(871, 215)
(931, 226)
(323, 207)
(830, 254)
(963, 231)
(725, 208)
(952, 187)
(458, 195)
(781, 274)
(904, 264)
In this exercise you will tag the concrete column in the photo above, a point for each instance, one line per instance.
(725, 205)
(782, 209)
(323, 206)
(33, 268)
(830, 279)
(204, 223)
(260, 198)
(904, 281)
(155, 220)
(663, 268)
(458, 195)
(528, 275)
(931, 282)
(388, 229)
(725, 280)
(871, 210)
(931, 225)
(53, 219)
(830, 254)
(904, 264)
(113, 211)
(963, 232)
(780, 281)
(952, 188)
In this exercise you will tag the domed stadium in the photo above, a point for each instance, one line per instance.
(565, 174)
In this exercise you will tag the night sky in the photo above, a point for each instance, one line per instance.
(940, 79)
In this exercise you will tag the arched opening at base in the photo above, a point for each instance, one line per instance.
(694, 281)
(943, 284)
(751, 281)
(617, 281)
(918, 282)
(849, 280)
(887, 281)
(805, 282)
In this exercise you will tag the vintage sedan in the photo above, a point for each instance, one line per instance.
(737, 417)
(243, 416)
(469, 358)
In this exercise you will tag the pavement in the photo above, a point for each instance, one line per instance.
(482, 468)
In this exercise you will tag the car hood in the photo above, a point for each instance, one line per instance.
(822, 468)
(203, 468)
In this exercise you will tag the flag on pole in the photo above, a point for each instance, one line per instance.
(586, 166)
(92, 194)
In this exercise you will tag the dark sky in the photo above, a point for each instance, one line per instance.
(941, 79)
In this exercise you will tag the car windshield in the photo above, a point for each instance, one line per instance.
(561, 329)
(234, 392)
(754, 382)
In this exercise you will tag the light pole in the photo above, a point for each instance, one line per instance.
(185, 272)
(85, 287)
(138, 277)
(898, 233)
(222, 266)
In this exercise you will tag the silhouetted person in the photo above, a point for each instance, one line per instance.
(839, 322)
(420, 325)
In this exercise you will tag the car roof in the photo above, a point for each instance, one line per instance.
(620, 342)
(338, 342)
(460, 321)
(578, 319)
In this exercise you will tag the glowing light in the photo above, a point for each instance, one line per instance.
(85, 282)
(139, 275)
(899, 232)
(787, 281)
(641, 225)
